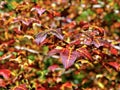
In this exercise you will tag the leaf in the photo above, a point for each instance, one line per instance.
(97, 42)
(40, 37)
(53, 67)
(39, 86)
(54, 51)
(6, 73)
(101, 30)
(84, 52)
(39, 10)
(2, 83)
(115, 65)
(68, 57)
(88, 41)
(113, 51)
(66, 85)
(20, 87)
(57, 34)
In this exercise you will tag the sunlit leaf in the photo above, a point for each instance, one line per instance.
(101, 30)
(53, 67)
(115, 65)
(113, 51)
(54, 51)
(98, 43)
(68, 57)
(66, 86)
(57, 34)
(20, 87)
(39, 10)
(84, 53)
(6, 73)
(40, 37)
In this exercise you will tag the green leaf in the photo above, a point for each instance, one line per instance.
(45, 50)
(31, 57)
(84, 15)
(1, 53)
(78, 77)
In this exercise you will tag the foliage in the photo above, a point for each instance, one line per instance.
(59, 44)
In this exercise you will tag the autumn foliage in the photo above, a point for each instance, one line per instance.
(59, 45)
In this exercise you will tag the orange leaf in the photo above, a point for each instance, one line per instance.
(113, 51)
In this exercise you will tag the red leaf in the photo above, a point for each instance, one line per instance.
(115, 65)
(84, 25)
(17, 30)
(76, 42)
(101, 30)
(68, 57)
(5, 73)
(8, 42)
(84, 52)
(113, 51)
(53, 67)
(41, 88)
(2, 83)
(20, 87)
(66, 85)
(54, 51)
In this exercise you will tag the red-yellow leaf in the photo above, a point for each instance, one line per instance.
(115, 65)
(101, 30)
(20, 87)
(68, 57)
(84, 53)
(66, 85)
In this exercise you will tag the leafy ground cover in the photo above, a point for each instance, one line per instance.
(59, 45)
